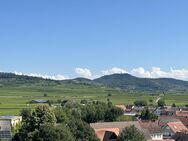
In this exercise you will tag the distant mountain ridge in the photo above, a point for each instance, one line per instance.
(129, 82)
(120, 81)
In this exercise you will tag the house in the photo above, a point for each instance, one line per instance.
(154, 129)
(183, 116)
(172, 128)
(116, 128)
(109, 131)
(168, 112)
(181, 113)
(7, 125)
(129, 108)
(163, 120)
(180, 137)
(108, 134)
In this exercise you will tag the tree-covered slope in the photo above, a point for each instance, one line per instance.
(129, 82)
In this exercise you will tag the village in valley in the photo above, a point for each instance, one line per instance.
(155, 123)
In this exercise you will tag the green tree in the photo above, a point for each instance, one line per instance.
(82, 131)
(60, 115)
(112, 114)
(25, 113)
(53, 133)
(140, 103)
(83, 101)
(173, 105)
(131, 134)
(147, 115)
(161, 103)
(42, 115)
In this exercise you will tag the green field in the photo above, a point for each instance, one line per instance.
(13, 99)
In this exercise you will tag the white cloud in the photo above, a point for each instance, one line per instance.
(113, 71)
(140, 72)
(84, 72)
(155, 72)
(53, 77)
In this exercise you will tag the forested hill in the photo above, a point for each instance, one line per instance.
(129, 82)
(120, 81)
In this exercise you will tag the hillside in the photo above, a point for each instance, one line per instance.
(121, 81)
(129, 82)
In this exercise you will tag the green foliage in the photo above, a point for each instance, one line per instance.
(82, 131)
(140, 103)
(100, 112)
(147, 115)
(112, 114)
(61, 115)
(45, 94)
(44, 124)
(131, 134)
(173, 105)
(42, 115)
(52, 133)
(25, 113)
(161, 103)
(83, 101)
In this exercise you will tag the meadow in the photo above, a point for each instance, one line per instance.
(13, 99)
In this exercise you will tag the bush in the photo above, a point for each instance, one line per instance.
(140, 103)
(161, 103)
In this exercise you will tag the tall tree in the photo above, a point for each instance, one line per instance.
(131, 134)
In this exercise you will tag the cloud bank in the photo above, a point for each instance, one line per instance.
(53, 77)
(83, 72)
(155, 72)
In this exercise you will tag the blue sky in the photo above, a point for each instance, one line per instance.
(94, 37)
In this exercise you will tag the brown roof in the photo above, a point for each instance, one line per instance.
(163, 120)
(152, 127)
(101, 132)
(120, 126)
(177, 127)
(182, 113)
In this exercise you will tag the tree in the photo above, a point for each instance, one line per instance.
(25, 113)
(42, 115)
(83, 101)
(112, 114)
(45, 95)
(173, 105)
(161, 103)
(147, 115)
(140, 103)
(53, 133)
(60, 115)
(131, 134)
(82, 131)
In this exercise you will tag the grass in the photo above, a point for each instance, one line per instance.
(13, 99)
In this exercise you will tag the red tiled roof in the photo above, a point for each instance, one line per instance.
(177, 127)
(182, 113)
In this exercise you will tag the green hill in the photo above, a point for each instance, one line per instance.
(121, 81)
(129, 82)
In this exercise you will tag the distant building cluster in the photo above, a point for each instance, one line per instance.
(172, 125)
